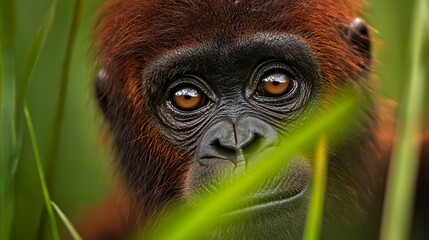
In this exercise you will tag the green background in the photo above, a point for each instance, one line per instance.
(82, 178)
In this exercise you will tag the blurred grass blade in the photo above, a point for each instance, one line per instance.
(75, 235)
(193, 222)
(37, 44)
(53, 144)
(399, 197)
(59, 112)
(32, 59)
(8, 148)
(317, 197)
(39, 165)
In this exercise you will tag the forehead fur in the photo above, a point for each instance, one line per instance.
(140, 30)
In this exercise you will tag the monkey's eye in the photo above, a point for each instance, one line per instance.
(275, 84)
(187, 98)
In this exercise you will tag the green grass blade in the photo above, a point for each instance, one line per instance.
(53, 145)
(32, 59)
(37, 44)
(75, 235)
(8, 147)
(59, 112)
(39, 165)
(193, 222)
(317, 197)
(399, 198)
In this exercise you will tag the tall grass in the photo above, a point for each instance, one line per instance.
(12, 100)
(8, 146)
(400, 192)
(54, 142)
(40, 170)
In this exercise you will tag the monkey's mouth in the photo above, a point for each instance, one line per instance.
(282, 188)
(267, 200)
(280, 192)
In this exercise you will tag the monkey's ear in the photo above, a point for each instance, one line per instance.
(101, 90)
(358, 35)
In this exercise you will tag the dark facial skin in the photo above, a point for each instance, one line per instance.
(191, 109)
(230, 83)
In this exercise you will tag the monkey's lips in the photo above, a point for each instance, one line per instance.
(266, 201)
(280, 192)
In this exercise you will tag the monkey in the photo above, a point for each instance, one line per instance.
(190, 88)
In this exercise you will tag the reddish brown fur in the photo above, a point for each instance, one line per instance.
(109, 221)
(128, 28)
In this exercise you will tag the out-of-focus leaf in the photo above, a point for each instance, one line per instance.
(398, 206)
(317, 198)
(37, 44)
(8, 146)
(54, 142)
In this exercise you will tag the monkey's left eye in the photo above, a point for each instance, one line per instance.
(275, 84)
(187, 98)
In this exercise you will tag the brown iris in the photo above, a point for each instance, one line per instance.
(187, 98)
(275, 84)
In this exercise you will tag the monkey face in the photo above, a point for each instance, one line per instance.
(224, 107)
(227, 108)
(194, 105)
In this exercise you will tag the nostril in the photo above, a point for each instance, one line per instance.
(254, 145)
(219, 143)
(236, 141)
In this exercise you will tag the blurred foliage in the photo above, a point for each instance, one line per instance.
(82, 178)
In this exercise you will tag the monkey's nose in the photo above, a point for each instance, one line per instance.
(236, 142)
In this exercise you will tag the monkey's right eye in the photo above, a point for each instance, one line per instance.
(187, 98)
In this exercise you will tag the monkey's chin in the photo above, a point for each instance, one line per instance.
(278, 218)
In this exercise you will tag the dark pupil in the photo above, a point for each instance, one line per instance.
(275, 83)
(187, 97)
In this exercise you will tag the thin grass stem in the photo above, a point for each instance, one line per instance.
(74, 234)
(317, 197)
(32, 59)
(39, 165)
